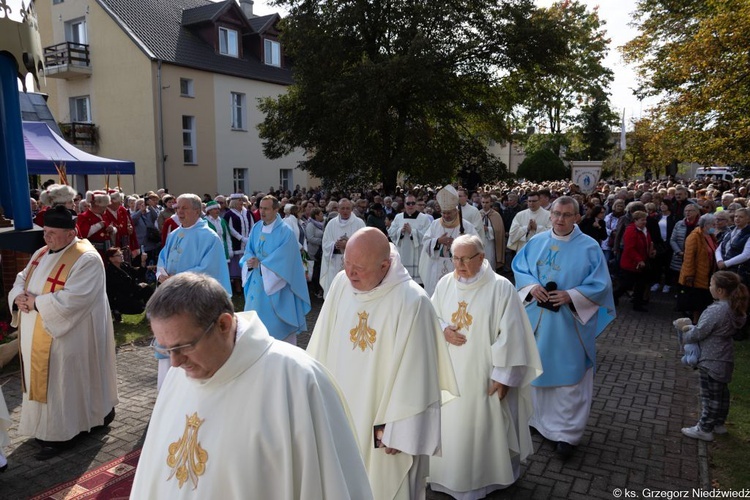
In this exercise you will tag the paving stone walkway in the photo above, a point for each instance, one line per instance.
(643, 397)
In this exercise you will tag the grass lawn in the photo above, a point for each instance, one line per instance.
(730, 453)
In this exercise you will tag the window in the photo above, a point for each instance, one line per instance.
(186, 87)
(239, 176)
(188, 140)
(272, 53)
(238, 111)
(75, 31)
(285, 178)
(228, 42)
(80, 109)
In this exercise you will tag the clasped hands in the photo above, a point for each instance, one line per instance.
(25, 302)
(253, 263)
(556, 297)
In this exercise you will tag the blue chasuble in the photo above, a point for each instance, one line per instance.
(283, 312)
(197, 249)
(567, 347)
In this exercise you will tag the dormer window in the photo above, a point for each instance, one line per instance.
(272, 53)
(228, 42)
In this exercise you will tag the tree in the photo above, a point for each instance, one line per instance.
(383, 87)
(551, 94)
(544, 165)
(693, 55)
(596, 123)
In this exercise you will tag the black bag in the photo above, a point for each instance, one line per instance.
(153, 235)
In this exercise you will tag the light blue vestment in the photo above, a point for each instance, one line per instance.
(283, 312)
(197, 249)
(567, 347)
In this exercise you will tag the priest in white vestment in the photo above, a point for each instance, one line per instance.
(468, 211)
(406, 233)
(240, 415)
(59, 303)
(435, 261)
(380, 337)
(335, 235)
(563, 279)
(486, 431)
(528, 223)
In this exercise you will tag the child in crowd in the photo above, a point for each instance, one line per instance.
(713, 334)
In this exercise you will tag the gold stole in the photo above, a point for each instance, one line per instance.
(41, 343)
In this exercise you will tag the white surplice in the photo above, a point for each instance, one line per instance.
(270, 423)
(409, 245)
(485, 439)
(386, 350)
(519, 235)
(82, 379)
(332, 263)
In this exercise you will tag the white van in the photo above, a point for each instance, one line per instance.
(714, 173)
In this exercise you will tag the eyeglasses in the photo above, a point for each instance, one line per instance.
(560, 215)
(181, 349)
(464, 260)
(410, 203)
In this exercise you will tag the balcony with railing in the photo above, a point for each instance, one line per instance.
(67, 60)
(84, 136)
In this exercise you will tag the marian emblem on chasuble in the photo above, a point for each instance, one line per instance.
(362, 336)
(186, 457)
(461, 318)
(547, 266)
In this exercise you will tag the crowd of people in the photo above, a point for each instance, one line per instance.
(452, 303)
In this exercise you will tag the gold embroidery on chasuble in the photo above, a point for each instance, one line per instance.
(461, 318)
(186, 457)
(362, 336)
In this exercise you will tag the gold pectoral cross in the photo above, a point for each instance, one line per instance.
(461, 318)
(362, 336)
(186, 457)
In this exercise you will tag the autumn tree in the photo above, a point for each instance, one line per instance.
(383, 87)
(693, 55)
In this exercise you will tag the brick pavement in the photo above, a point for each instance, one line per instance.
(643, 396)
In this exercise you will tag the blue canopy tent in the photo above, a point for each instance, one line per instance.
(45, 149)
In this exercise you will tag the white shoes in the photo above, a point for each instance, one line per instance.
(655, 287)
(665, 289)
(720, 429)
(696, 433)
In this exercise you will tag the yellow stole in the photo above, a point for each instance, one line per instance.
(41, 343)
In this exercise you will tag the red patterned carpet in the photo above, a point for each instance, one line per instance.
(112, 480)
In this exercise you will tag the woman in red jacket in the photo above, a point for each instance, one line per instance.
(636, 251)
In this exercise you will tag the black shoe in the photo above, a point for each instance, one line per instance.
(564, 450)
(52, 448)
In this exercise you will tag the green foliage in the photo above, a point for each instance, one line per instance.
(400, 86)
(693, 55)
(596, 122)
(549, 94)
(543, 165)
(730, 453)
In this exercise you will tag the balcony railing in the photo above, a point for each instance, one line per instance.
(82, 135)
(67, 60)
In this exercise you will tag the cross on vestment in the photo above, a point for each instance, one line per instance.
(56, 280)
